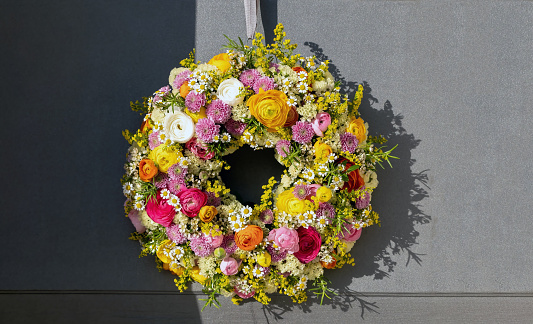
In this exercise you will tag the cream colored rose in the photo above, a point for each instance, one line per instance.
(157, 115)
(229, 90)
(179, 127)
(371, 179)
(320, 86)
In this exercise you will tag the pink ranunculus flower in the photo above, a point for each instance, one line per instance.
(350, 233)
(285, 238)
(199, 149)
(160, 211)
(310, 242)
(320, 123)
(229, 266)
(136, 221)
(191, 201)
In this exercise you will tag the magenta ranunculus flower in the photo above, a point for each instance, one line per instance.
(309, 243)
(285, 238)
(321, 123)
(229, 266)
(191, 201)
(243, 294)
(214, 241)
(199, 149)
(160, 211)
(350, 233)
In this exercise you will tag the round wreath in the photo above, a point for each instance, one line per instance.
(264, 97)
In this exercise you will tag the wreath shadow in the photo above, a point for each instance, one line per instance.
(398, 200)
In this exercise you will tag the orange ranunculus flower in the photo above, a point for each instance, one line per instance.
(146, 126)
(207, 213)
(299, 69)
(147, 170)
(358, 128)
(249, 237)
(330, 265)
(322, 150)
(270, 108)
(292, 117)
(185, 89)
(221, 61)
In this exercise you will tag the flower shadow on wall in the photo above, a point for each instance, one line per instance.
(397, 200)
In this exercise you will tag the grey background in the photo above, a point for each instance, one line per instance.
(448, 81)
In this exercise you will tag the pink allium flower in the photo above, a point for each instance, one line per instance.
(228, 244)
(160, 211)
(199, 149)
(236, 128)
(349, 142)
(302, 132)
(309, 242)
(326, 210)
(161, 180)
(191, 201)
(350, 233)
(212, 200)
(194, 101)
(176, 185)
(285, 238)
(276, 254)
(364, 201)
(153, 140)
(214, 241)
(248, 77)
(181, 78)
(175, 235)
(301, 191)
(321, 123)
(264, 83)
(176, 171)
(283, 147)
(206, 129)
(161, 93)
(229, 266)
(218, 111)
(136, 221)
(201, 247)
(267, 216)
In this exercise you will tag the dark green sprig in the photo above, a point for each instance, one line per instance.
(212, 289)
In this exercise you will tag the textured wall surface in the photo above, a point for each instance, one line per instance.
(448, 81)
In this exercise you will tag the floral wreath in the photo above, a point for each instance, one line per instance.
(264, 97)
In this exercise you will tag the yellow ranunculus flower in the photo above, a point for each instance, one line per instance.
(164, 158)
(196, 116)
(323, 194)
(358, 128)
(322, 150)
(207, 213)
(221, 61)
(195, 274)
(264, 259)
(164, 248)
(270, 108)
(288, 203)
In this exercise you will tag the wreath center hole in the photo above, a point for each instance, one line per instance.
(250, 171)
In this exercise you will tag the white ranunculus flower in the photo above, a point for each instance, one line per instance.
(179, 127)
(229, 90)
